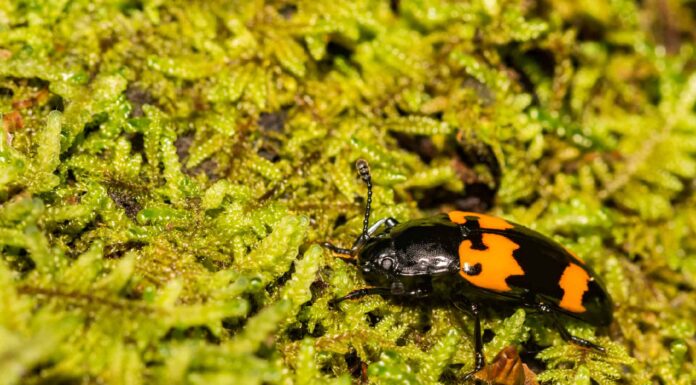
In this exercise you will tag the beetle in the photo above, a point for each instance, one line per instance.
(476, 260)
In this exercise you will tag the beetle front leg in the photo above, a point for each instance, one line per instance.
(336, 249)
(362, 293)
(396, 290)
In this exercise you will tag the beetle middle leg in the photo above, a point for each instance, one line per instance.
(565, 334)
(479, 359)
(363, 293)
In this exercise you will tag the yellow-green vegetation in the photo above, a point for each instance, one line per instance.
(167, 169)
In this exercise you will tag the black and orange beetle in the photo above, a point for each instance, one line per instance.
(476, 260)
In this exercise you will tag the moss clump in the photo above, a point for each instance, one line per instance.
(167, 168)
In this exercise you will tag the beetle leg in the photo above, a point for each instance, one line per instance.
(418, 293)
(565, 334)
(479, 358)
(394, 291)
(398, 290)
(338, 250)
(362, 293)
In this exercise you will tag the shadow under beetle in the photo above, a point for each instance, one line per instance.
(475, 260)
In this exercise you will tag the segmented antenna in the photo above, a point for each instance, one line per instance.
(364, 171)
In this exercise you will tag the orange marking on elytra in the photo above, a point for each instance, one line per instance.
(485, 221)
(497, 262)
(574, 282)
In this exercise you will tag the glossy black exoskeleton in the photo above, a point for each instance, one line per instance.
(475, 260)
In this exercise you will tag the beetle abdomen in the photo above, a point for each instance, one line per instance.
(513, 260)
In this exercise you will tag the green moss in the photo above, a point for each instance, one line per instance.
(167, 168)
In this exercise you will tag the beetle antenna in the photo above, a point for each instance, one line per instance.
(364, 171)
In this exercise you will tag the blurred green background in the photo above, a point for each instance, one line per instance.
(167, 169)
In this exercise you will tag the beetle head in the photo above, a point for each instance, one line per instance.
(377, 260)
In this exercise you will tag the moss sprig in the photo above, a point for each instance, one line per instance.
(166, 170)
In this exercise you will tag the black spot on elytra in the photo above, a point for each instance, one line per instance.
(473, 270)
(476, 237)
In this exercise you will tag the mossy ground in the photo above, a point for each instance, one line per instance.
(167, 169)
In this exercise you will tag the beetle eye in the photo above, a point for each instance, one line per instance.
(387, 263)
